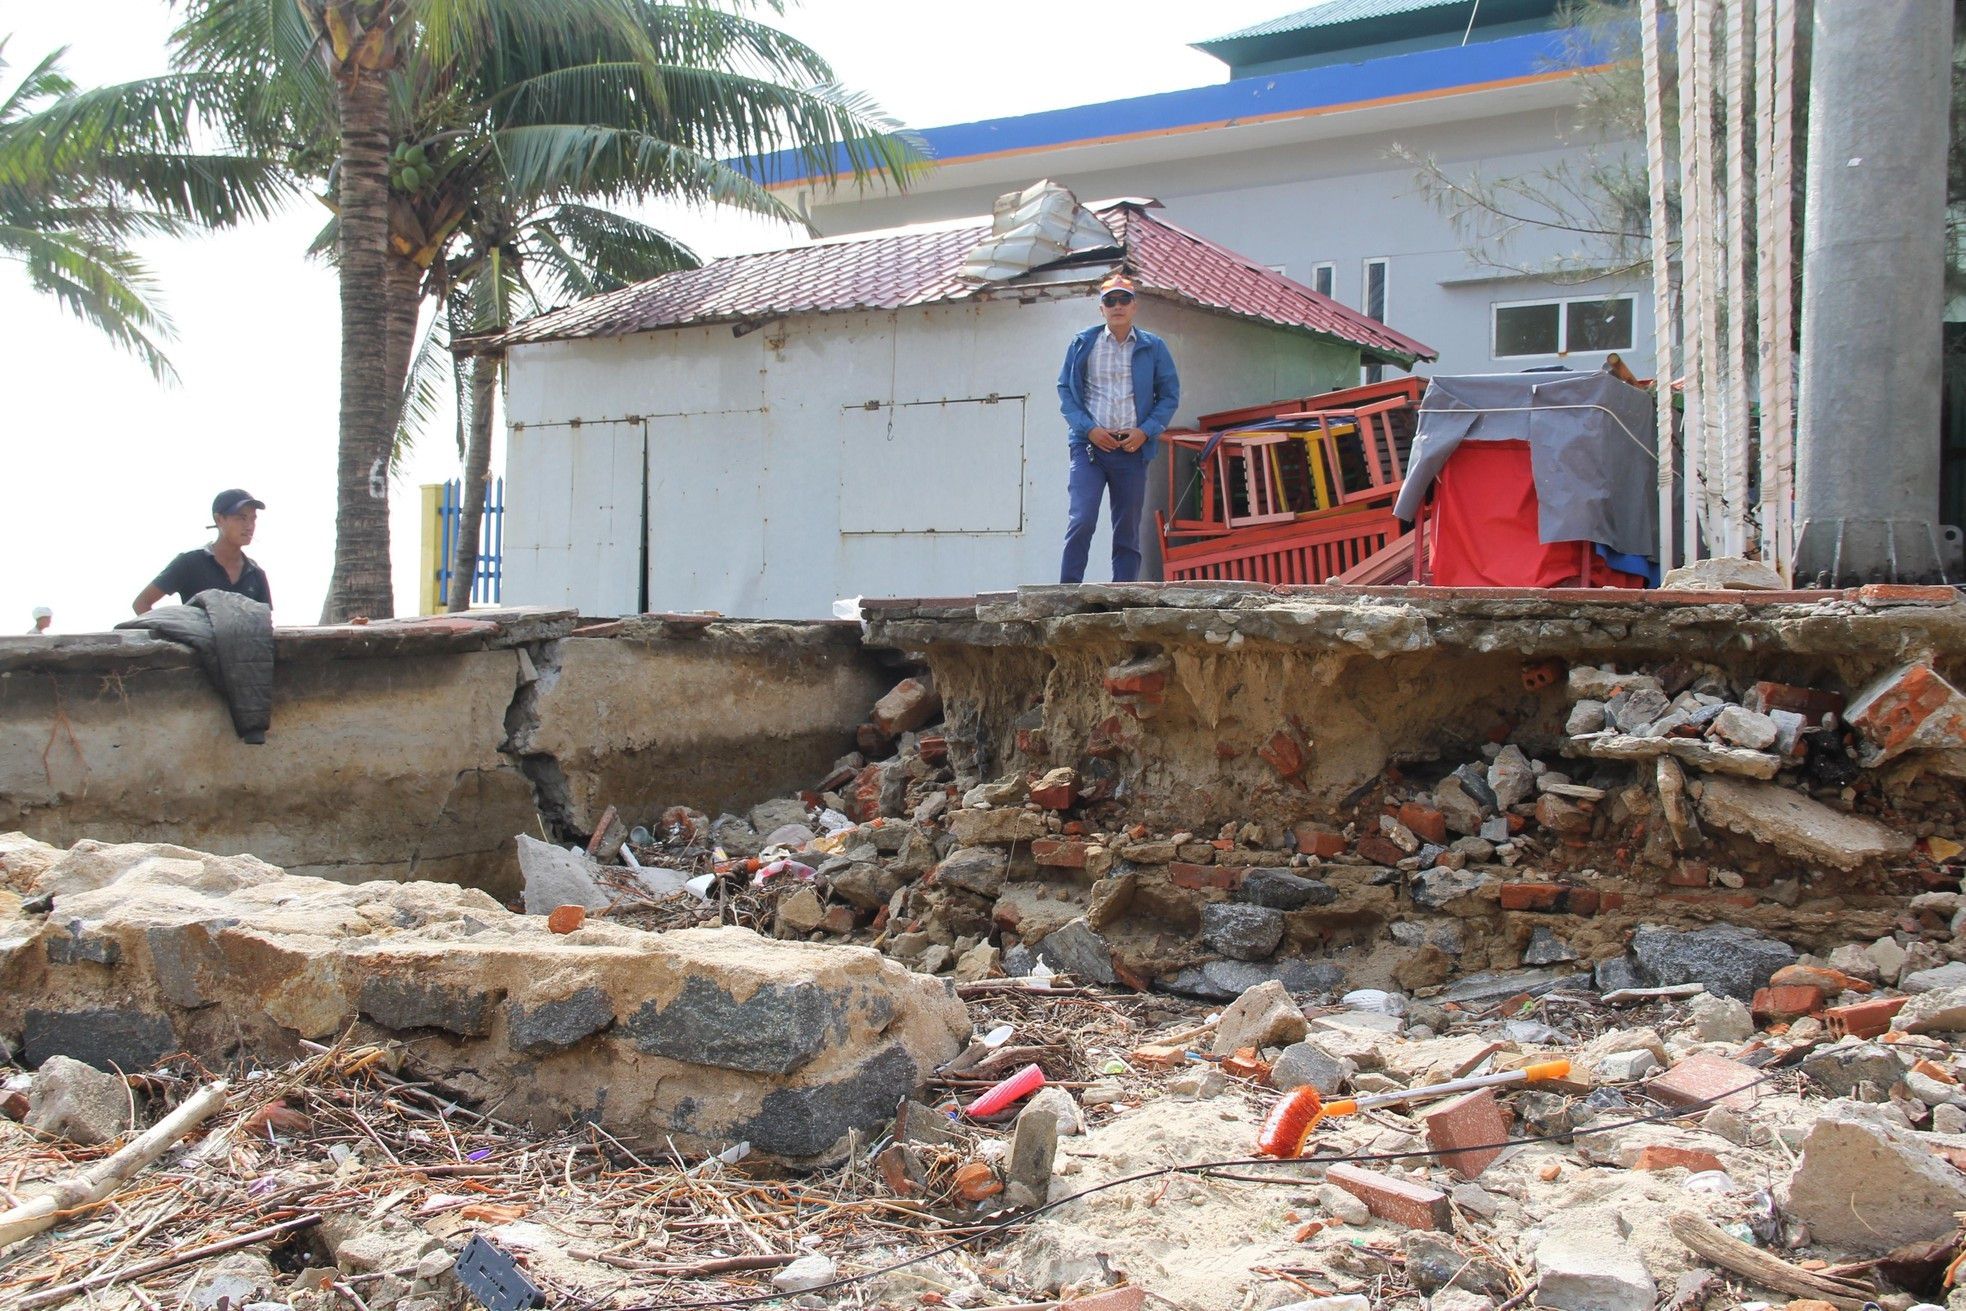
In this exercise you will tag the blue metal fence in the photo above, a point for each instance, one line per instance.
(485, 580)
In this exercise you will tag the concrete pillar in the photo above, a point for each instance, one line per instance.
(1873, 291)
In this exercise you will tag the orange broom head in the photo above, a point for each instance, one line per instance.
(1289, 1123)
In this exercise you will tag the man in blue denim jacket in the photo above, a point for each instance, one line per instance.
(1118, 391)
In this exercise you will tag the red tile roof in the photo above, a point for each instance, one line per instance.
(919, 266)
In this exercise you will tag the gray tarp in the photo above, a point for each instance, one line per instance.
(1591, 449)
(233, 636)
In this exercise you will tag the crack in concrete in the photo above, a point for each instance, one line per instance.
(551, 792)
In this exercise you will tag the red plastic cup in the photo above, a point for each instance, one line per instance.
(1021, 1084)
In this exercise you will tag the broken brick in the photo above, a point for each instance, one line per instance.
(1409, 1204)
(1912, 706)
(1808, 702)
(838, 921)
(1864, 1019)
(1791, 1002)
(1146, 677)
(933, 748)
(912, 703)
(1061, 853)
(1708, 1078)
(864, 801)
(1107, 739)
(565, 919)
(1284, 754)
(872, 742)
(1690, 874)
(1428, 824)
(1380, 850)
(1532, 896)
(1820, 977)
(1245, 1064)
(1057, 790)
(1660, 1157)
(1200, 878)
(1468, 1131)
(1317, 840)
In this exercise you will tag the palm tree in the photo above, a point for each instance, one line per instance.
(83, 174)
(439, 106)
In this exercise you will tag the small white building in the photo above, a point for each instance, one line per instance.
(874, 414)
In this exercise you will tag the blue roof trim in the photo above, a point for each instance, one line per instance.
(1309, 89)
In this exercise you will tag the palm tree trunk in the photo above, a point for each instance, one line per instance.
(477, 472)
(360, 584)
(405, 280)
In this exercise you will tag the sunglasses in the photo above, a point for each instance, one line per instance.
(1117, 298)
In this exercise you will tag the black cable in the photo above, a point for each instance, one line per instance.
(1202, 1167)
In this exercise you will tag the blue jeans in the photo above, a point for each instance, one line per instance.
(1121, 477)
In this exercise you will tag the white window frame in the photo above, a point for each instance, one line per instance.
(1365, 287)
(1563, 304)
(1281, 270)
(1325, 266)
(1371, 373)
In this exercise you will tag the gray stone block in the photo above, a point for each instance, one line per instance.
(554, 1025)
(775, 1030)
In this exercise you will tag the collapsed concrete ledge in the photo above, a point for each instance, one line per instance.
(709, 1036)
(417, 748)
(1232, 701)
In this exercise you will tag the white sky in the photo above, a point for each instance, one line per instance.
(108, 474)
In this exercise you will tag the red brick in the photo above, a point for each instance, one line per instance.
(1659, 1157)
(1811, 703)
(1690, 874)
(1284, 754)
(1706, 1077)
(1059, 852)
(1107, 739)
(1790, 1002)
(911, 704)
(864, 801)
(1317, 840)
(933, 748)
(1466, 1131)
(839, 920)
(1428, 824)
(1137, 684)
(1200, 878)
(1127, 1297)
(565, 919)
(1864, 1019)
(1057, 797)
(1879, 592)
(1532, 896)
(1032, 742)
(1413, 1205)
(1820, 977)
(1380, 850)
(1911, 706)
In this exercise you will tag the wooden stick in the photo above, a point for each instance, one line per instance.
(103, 1178)
(720, 1266)
(1750, 1262)
(161, 1263)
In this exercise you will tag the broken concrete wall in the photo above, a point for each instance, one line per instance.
(418, 749)
(1203, 703)
(708, 1035)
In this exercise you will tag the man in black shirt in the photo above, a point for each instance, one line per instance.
(223, 564)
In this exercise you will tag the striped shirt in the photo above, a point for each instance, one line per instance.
(1109, 381)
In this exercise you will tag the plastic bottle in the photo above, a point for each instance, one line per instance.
(1021, 1084)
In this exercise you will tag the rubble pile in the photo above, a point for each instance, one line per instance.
(1691, 1148)
(1674, 796)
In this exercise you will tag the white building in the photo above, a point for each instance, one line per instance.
(855, 416)
(1291, 162)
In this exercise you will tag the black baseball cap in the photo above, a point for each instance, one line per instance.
(234, 499)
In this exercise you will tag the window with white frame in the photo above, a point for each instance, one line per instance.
(1324, 277)
(1374, 305)
(1562, 327)
(1281, 270)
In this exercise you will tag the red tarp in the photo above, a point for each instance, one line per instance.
(1481, 528)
